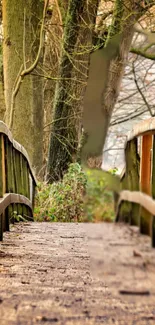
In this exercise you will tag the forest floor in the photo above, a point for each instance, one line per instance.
(68, 273)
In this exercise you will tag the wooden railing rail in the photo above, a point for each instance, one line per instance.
(136, 204)
(17, 181)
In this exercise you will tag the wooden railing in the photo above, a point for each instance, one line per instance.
(136, 204)
(17, 181)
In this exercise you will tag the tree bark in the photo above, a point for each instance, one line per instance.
(54, 31)
(64, 134)
(21, 23)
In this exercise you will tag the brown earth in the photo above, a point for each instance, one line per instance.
(54, 273)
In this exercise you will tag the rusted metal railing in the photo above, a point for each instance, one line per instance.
(136, 204)
(17, 181)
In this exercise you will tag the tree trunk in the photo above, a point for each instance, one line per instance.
(123, 21)
(106, 73)
(64, 134)
(2, 100)
(54, 31)
(21, 23)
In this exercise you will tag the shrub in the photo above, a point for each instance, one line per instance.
(81, 196)
(62, 201)
(99, 200)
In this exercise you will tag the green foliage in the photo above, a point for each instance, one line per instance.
(81, 196)
(62, 201)
(113, 171)
(99, 200)
(17, 217)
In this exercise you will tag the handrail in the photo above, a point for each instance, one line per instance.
(5, 130)
(141, 128)
(136, 203)
(10, 198)
(17, 180)
(143, 199)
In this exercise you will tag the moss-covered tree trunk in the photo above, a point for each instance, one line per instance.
(21, 23)
(54, 32)
(106, 73)
(124, 16)
(84, 47)
(64, 133)
(2, 100)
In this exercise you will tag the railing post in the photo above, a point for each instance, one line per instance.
(18, 180)
(153, 192)
(10, 184)
(123, 212)
(145, 180)
(25, 182)
(2, 181)
(129, 212)
(132, 167)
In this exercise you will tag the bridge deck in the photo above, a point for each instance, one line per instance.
(72, 274)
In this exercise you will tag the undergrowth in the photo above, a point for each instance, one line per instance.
(81, 196)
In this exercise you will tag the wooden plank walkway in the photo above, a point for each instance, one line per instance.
(54, 273)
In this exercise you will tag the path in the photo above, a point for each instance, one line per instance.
(72, 273)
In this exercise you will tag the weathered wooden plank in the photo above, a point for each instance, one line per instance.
(4, 223)
(5, 130)
(15, 170)
(1, 175)
(132, 171)
(18, 178)
(13, 198)
(25, 168)
(144, 127)
(123, 210)
(145, 181)
(129, 212)
(22, 150)
(7, 217)
(143, 199)
(3, 166)
(24, 176)
(1, 227)
(153, 191)
(10, 186)
(28, 182)
(9, 176)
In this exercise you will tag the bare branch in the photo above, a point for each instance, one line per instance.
(141, 93)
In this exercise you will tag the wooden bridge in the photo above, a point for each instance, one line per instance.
(135, 203)
(82, 274)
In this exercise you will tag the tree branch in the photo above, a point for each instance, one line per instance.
(142, 53)
(141, 93)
